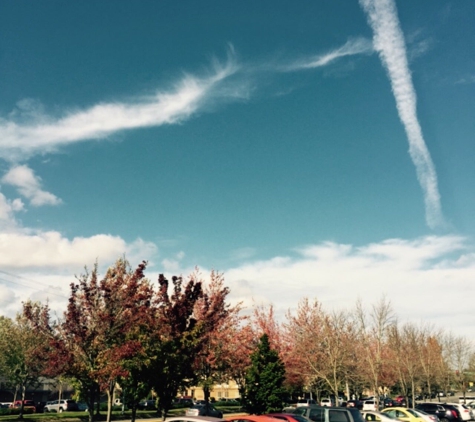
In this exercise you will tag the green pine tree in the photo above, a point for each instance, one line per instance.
(264, 380)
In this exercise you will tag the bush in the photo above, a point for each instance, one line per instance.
(16, 411)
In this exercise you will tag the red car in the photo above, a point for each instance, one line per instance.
(27, 405)
(288, 417)
(400, 400)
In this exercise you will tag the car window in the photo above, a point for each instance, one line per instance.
(338, 416)
(317, 415)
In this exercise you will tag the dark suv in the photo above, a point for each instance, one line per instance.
(435, 409)
(329, 414)
(452, 410)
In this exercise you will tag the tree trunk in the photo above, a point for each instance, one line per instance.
(110, 396)
(22, 405)
(133, 413)
(90, 403)
(207, 393)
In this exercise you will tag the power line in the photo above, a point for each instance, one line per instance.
(29, 286)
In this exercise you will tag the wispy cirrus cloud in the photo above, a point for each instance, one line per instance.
(354, 46)
(42, 133)
(29, 185)
(388, 40)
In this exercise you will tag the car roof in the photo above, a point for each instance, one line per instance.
(284, 415)
(194, 419)
(252, 418)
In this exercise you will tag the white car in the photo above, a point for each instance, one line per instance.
(306, 402)
(465, 411)
(327, 402)
(370, 405)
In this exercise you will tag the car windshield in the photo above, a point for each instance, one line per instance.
(299, 418)
(299, 411)
(413, 413)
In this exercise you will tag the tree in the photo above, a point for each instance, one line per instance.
(324, 343)
(239, 347)
(264, 380)
(430, 353)
(373, 336)
(98, 334)
(212, 363)
(462, 354)
(175, 339)
(405, 342)
(264, 322)
(22, 351)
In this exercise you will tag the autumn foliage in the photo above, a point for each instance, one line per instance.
(121, 329)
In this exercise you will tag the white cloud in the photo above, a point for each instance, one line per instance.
(50, 250)
(415, 275)
(352, 47)
(7, 211)
(173, 265)
(29, 185)
(32, 132)
(388, 41)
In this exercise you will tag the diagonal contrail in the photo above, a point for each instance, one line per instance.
(388, 41)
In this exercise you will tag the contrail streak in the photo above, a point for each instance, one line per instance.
(46, 133)
(388, 41)
(352, 47)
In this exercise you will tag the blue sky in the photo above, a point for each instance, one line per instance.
(322, 151)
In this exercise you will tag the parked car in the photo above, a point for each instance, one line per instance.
(357, 404)
(249, 418)
(28, 405)
(183, 402)
(194, 419)
(426, 416)
(60, 406)
(370, 405)
(147, 405)
(329, 414)
(453, 411)
(376, 416)
(403, 414)
(288, 417)
(305, 402)
(436, 409)
(389, 402)
(465, 411)
(401, 400)
(327, 401)
(83, 407)
(471, 405)
(204, 410)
